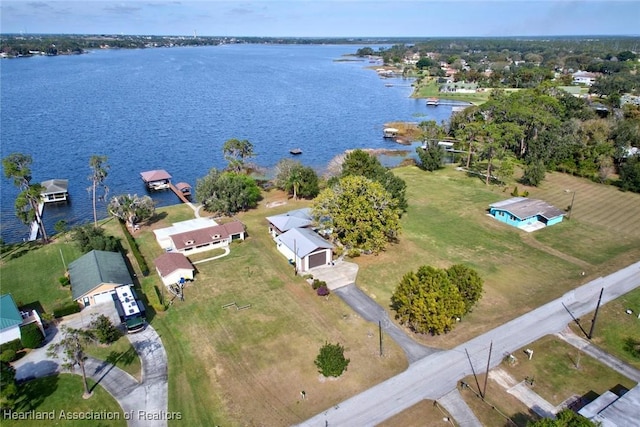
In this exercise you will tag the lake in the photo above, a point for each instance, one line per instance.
(173, 109)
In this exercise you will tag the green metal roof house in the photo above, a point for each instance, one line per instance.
(95, 275)
(10, 319)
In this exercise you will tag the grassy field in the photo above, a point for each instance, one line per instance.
(561, 371)
(30, 272)
(64, 393)
(230, 367)
(498, 406)
(447, 223)
(248, 367)
(425, 413)
(121, 353)
(615, 330)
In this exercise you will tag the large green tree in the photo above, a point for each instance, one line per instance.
(359, 213)
(630, 174)
(131, 208)
(468, 282)
(99, 172)
(564, 418)
(427, 301)
(331, 361)
(236, 151)
(227, 192)
(296, 179)
(17, 166)
(359, 162)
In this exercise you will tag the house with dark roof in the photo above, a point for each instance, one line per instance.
(198, 235)
(96, 275)
(11, 319)
(173, 268)
(299, 218)
(527, 214)
(614, 410)
(304, 248)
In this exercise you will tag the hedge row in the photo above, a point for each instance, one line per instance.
(31, 335)
(135, 250)
(66, 309)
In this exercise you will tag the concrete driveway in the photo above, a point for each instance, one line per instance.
(340, 273)
(370, 310)
(147, 401)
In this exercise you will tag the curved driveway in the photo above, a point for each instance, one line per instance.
(147, 400)
(437, 374)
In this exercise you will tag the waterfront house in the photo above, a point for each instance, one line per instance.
(527, 214)
(198, 235)
(55, 190)
(299, 218)
(156, 179)
(304, 248)
(173, 268)
(96, 275)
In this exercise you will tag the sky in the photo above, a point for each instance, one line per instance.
(323, 18)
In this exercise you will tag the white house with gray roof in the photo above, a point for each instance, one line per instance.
(299, 218)
(305, 248)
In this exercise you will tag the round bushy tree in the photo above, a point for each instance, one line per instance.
(331, 361)
(468, 282)
(104, 330)
(31, 335)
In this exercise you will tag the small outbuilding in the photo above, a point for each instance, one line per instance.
(390, 132)
(174, 267)
(304, 248)
(55, 190)
(95, 276)
(527, 214)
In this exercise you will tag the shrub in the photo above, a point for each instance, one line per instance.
(331, 361)
(323, 291)
(353, 253)
(64, 281)
(31, 335)
(318, 283)
(135, 250)
(66, 309)
(8, 356)
(104, 330)
(88, 238)
(15, 345)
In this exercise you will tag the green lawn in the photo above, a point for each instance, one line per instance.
(121, 353)
(30, 272)
(615, 330)
(561, 371)
(62, 394)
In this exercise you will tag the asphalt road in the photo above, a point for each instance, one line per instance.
(437, 374)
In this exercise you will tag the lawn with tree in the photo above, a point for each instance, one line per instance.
(131, 209)
(295, 179)
(236, 152)
(331, 361)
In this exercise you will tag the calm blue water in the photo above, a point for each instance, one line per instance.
(174, 108)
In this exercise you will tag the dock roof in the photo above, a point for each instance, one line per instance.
(52, 186)
(155, 175)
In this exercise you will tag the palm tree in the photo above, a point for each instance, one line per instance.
(294, 181)
(99, 173)
(131, 209)
(18, 167)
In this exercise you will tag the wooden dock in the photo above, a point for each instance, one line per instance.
(33, 234)
(178, 193)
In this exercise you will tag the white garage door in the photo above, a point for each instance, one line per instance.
(102, 298)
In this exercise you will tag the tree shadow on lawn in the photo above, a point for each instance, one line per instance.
(125, 358)
(34, 392)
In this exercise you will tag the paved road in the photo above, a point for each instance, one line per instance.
(370, 310)
(437, 374)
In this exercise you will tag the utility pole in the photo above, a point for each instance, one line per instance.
(573, 198)
(484, 391)
(380, 333)
(474, 373)
(595, 315)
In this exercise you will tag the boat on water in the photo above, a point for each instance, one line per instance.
(388, 84)
(433, 102)
(295, 151)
